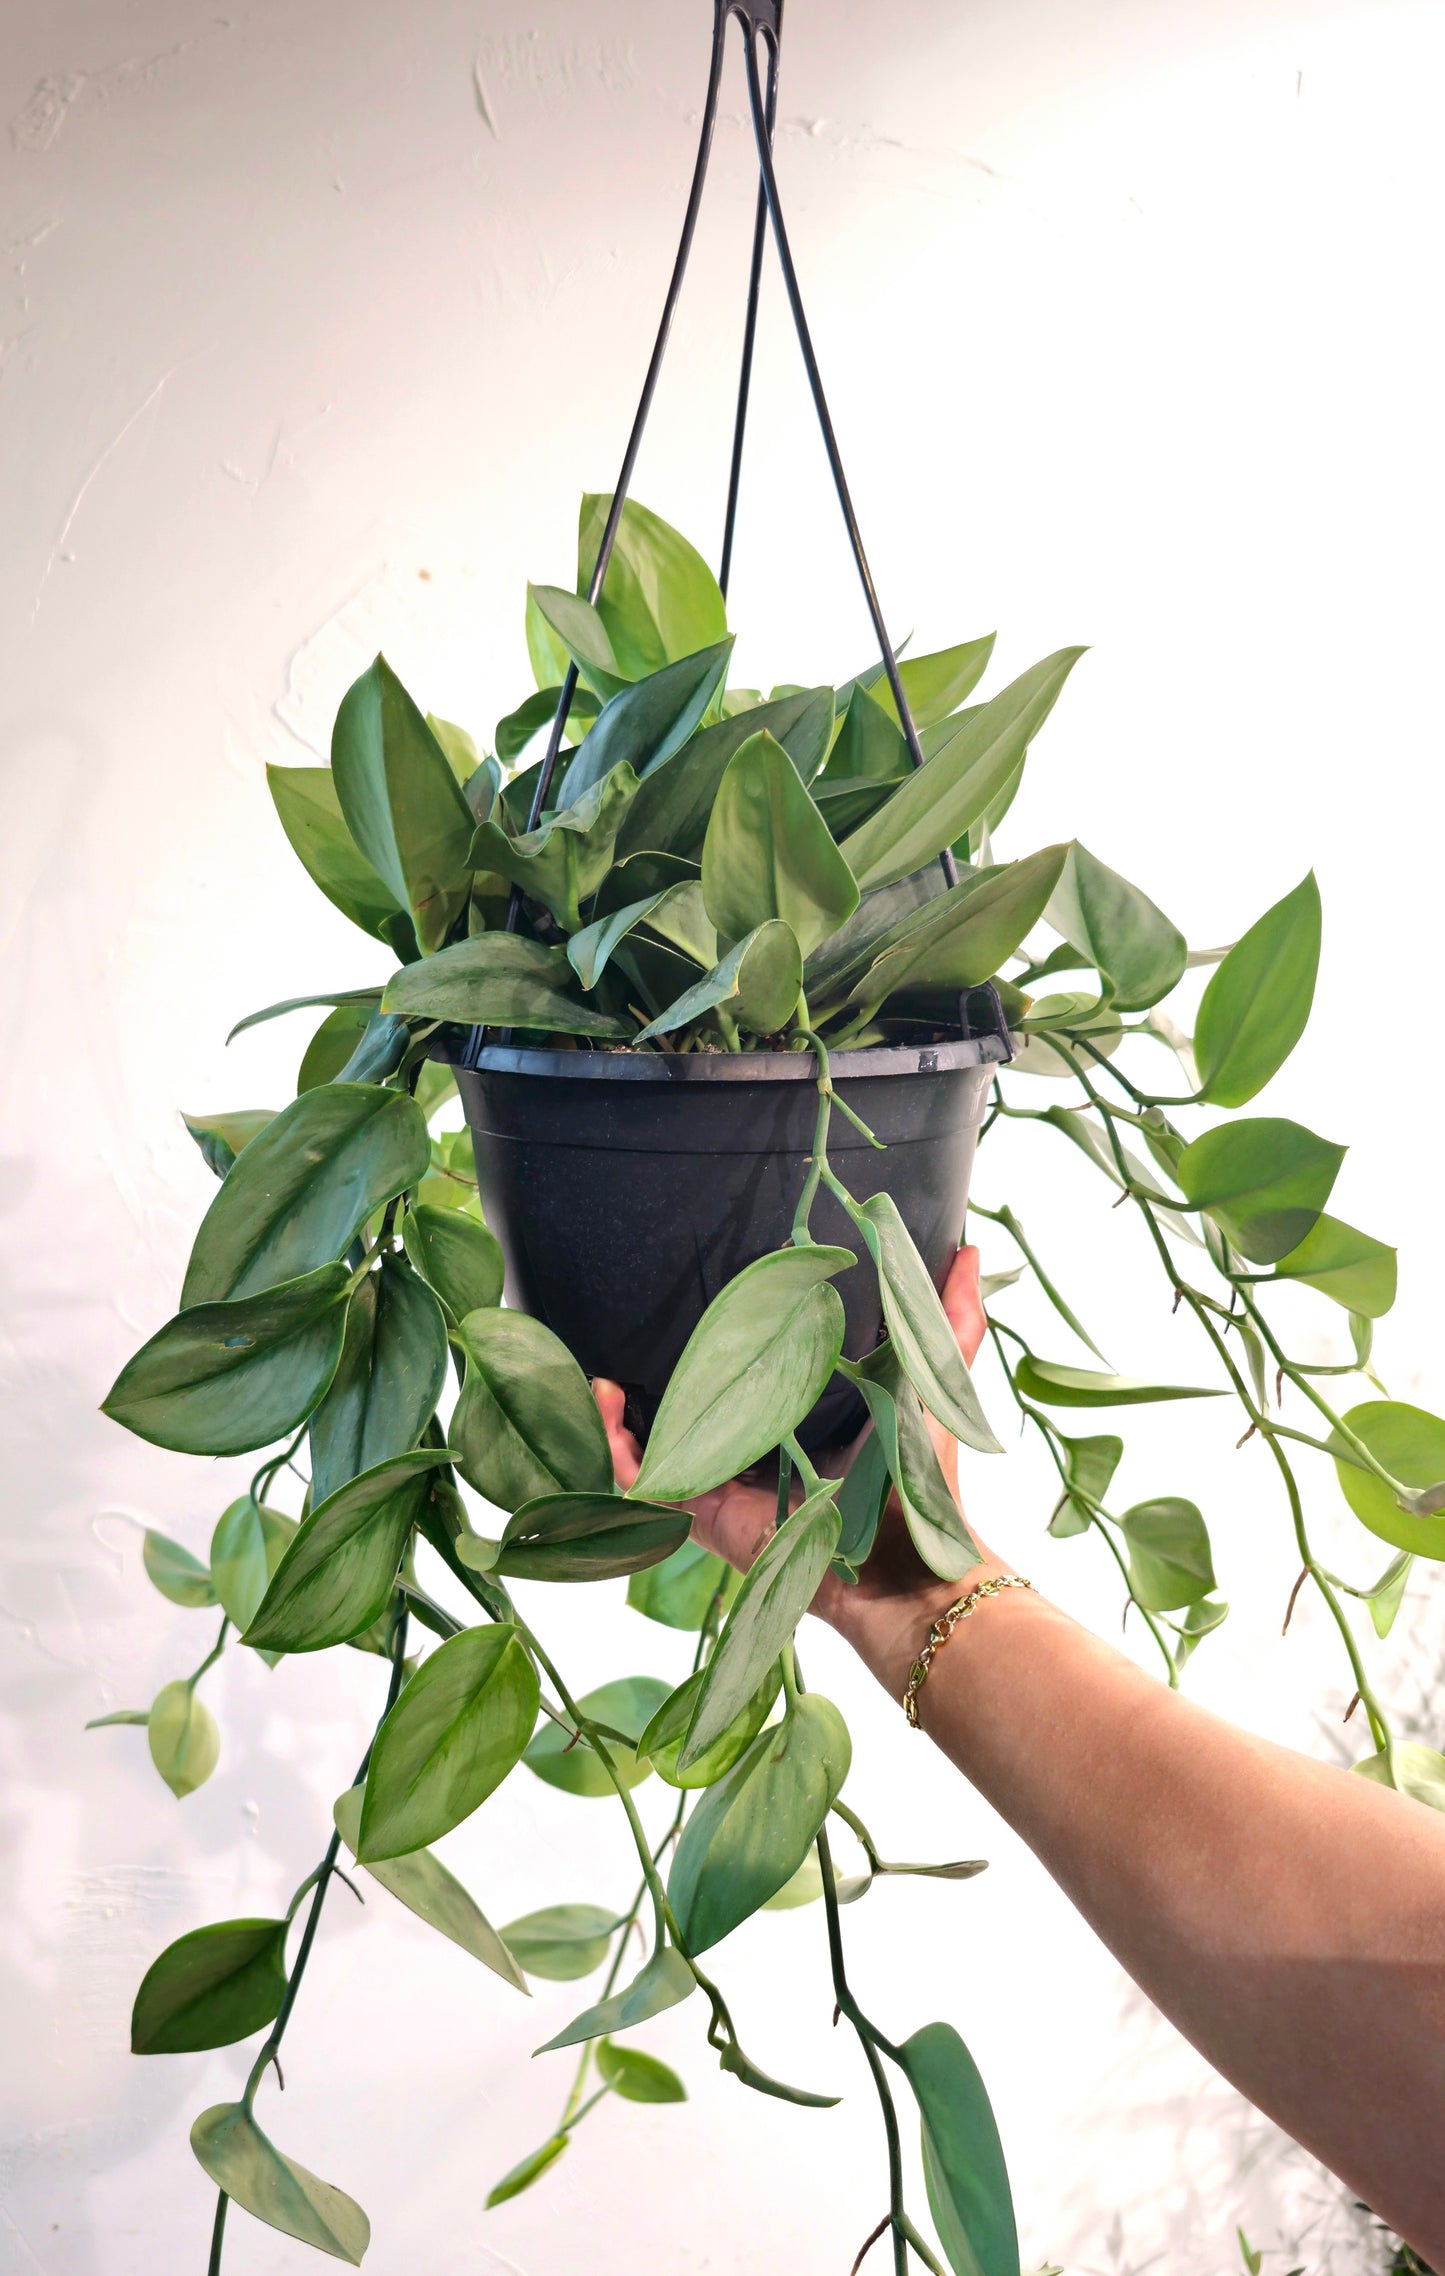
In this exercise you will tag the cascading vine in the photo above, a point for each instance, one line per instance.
(717, 872)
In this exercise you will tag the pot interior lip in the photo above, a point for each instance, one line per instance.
(741, 1067)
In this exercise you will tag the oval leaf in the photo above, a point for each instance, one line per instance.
(457, 1258)
(1350, 1267)
(750, 1833)
(385, 1389)
(526, 1424)
(499, 980)
(662, 1741)
(217, 1985)
(184, 1742)
(240, 2159)
(626, 1705)
(337, 1576)
(680, 1592)
(770, 1603)
(248, 1544)
(561, 1942)
(757, 1360)
(638, 2077)
(1263, 1181)
(588, 1537)
(227, 1378)
(963, 2162)
(1254, 1010)
(303, 1189)
(459, 1726)
(1170, 1565)
(1410, 1443)
(176, 1573)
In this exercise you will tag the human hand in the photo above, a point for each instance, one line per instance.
(735, 1520)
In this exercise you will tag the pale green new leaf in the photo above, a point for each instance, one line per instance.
(184, 1742)
(175, 1572)
(242, 2161)
(1170, 1565)
(422, 1883)
(1255, 1007)
(310, 813)
(1349, 1266)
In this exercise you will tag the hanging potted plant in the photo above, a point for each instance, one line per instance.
(729, 987)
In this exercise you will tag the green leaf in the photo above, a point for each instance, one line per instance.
(337, 1576)
(900, 1426)
(963, 2162)
(422, 1883)
(515, 732)
(1255, 1007)
(385, 1389)
(662, 1741)
(753, 1366)
(659, 599)
(332, 1046)
(588, 1537)
(526, 1423)
(768, 853)
(646, 724)
(951, 790)
(752, 1830)
(1200, 1620)
(176, 1573)
(1080, 1387)
(679, 1592)
(371, 997)
(184, 1742)
(733, 2060)
(638, 2077)
(227, 1378)
(526, 2171)
(1131, 944)
(221, 1137)
(250, 2169)
(1410, 1443)
(310, 814)
(1090, 1139)
(561, 1942)
(303, 1189)
(869, 745)
(1089, 1466)
(673, 805)
(934, 685)
(135, 1718)
(401, 801)
(589, 951)
(563, 861)
(1388, 1594)
(499, 980)
(958, 940)
(210, 1988)
(380, 1049)
(757, 983)
(627, 1705)
(1264, 1182)
(451, 1182)
(862, 1498)
(1170, 1565)
(457, 1258)
(248, 1544)
(831, 970)
(664, 1981)
(460, 1725)
(1411, 1769)
(772, 1600)
(583, 635)
(1355, 1270)
(918, 1327)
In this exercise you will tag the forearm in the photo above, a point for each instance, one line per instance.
(1287, 1917)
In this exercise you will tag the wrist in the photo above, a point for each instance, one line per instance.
(889, 1629)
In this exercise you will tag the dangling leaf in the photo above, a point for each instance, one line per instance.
(772, 1600)
(385, 1390)
(210, 1988)
(184, 1742)
(1254, 1010)
(1170, 1565)
(625, 1706)
(638, 2077)
(460, 1725)
(1350, 1267)
(680, 1592)
(754, 1365)
(901, 1430)
(303, 1189)
(337, 1576)
(526, 1424)
(240, 2159)
(918, 1327)
(333, 1044)
(401, 801)
(422, 1883)
(963, 2162)
(227, 1378)
(1089, 1466)
(1056, 1386)
(662, 1741)
(248, 1544)
(457, 1258)
(1409, 1442)
(176, 1573)
(751, 1831)
(1263, 1181)
(526, 2171)
(561, 1942)
(664, 1981)
(768, 852)
(588, 1537)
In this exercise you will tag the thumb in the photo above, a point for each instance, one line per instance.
(626, 1453)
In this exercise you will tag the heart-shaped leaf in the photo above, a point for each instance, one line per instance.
(460, 1725)
(210, 1988)
(1263, 1181)
(626, 1707)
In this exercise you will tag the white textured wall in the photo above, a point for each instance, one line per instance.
(313, 324)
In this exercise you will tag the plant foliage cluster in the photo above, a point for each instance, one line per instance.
(715, 871)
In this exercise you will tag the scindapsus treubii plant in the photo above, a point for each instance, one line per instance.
(715, 873)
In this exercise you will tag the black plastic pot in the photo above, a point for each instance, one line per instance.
(627, 1188)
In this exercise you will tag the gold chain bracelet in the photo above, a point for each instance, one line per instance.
(943, 1628)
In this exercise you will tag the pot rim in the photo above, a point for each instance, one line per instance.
(741, 1067)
